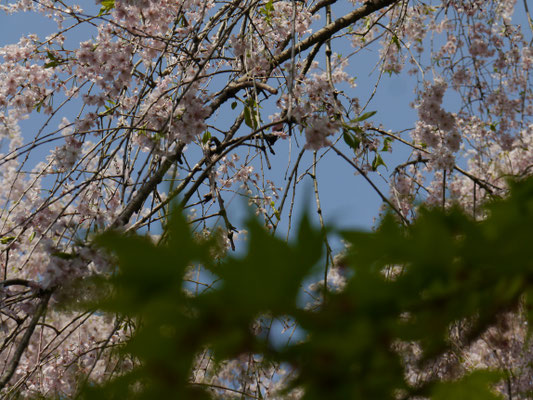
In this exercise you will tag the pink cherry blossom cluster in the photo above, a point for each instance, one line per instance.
(67, 155)
(393, 61)
(24, 82)
(437, 128)
(253, 52)
(228, 173)
(316, 106)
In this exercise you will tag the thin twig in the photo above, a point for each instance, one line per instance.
(23, 344)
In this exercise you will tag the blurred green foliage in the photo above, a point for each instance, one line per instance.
(449, 269)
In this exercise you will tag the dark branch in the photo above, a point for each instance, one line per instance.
(23, 344)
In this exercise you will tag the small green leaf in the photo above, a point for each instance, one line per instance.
(248, 117)
(354, 128)
(183, 22)
(107, 5)
(7, 239)
(396, 41)
(269, 6)
(267, 11)
(358, 129)
(368, 23)
(32, 236)
(233, 105)
(351, 140)
(386, 144)
(276, 211)
(377, 162)
(365, 116)
(51, 64)
(251, 117)
(347, 138)
(54, 61)
(206, 137)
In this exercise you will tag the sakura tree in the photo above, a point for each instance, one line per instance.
(192, 103)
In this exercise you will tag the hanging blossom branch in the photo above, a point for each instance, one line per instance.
(320, 36)
(203, 101)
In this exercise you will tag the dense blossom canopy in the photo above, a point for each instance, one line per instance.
(193, 101)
